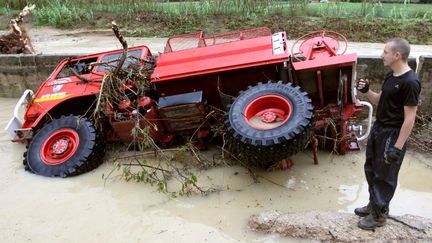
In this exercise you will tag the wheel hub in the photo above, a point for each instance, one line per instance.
(267, 112)
(269, 117)
(60, 146)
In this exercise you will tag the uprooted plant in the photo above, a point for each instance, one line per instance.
(17, 41)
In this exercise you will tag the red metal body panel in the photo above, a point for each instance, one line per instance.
(46, 98)
(328, 62)
(55, 91)
(223, 57)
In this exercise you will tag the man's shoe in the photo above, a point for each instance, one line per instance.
(363, 211)
(372, 221)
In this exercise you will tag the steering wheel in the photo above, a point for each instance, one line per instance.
(322, 39)
(80, 67)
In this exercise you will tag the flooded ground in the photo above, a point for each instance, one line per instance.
(88, 208)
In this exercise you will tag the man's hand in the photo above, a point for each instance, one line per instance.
(363, 85)
(393, 155)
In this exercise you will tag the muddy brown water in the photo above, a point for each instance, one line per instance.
(88, 208)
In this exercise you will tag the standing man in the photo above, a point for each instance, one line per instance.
(397, 106)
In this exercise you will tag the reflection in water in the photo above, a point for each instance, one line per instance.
(88, 207)
(404, 202)
(349, 194)
(291, 184)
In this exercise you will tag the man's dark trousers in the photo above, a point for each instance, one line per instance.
(381, 175)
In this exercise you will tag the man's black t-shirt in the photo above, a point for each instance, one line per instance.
(397, 92)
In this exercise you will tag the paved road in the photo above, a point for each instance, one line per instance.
(51, 41)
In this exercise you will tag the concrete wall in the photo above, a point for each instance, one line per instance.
(19, 72)
(425, 76)
(372, 68)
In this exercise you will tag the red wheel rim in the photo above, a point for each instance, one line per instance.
(268, 112)
(60, 146)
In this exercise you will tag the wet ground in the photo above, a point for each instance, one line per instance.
(88, 208)
(53, 41)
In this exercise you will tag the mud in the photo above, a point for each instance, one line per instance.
(89, 208)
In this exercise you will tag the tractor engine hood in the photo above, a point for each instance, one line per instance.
(232, 55)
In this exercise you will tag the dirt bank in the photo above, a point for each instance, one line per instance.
(340, 227)
(53, 41)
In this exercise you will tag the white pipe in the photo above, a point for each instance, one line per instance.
(369, 105)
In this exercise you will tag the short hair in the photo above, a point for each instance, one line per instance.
(402, 46)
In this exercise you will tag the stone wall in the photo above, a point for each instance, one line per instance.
(20, 72)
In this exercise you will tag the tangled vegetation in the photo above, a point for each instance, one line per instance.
(126, 82)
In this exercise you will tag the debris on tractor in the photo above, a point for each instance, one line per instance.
(17, 41)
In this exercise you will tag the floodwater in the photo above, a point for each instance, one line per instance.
(89, 208)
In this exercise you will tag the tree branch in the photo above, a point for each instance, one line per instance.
(125, 48)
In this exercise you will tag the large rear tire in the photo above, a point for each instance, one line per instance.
(67, 146)
(268, 123)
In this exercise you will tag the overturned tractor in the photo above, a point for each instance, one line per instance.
(276, 101)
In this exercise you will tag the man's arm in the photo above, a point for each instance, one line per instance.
(407, 126)
(373, 96)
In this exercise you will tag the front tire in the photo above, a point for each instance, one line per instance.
(268, 123)
(67, 146)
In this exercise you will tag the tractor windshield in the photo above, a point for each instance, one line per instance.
(80, 66)
(113, 58)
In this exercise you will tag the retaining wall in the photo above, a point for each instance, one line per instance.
(373, 69)
(20, 72)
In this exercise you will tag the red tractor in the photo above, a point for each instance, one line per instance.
(276, 101)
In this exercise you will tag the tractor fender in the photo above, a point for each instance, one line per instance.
(67, 106)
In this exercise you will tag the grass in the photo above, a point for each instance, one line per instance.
(369, 10)
(69, 13)
(162, 18)
(6, 11)
(62, 14)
